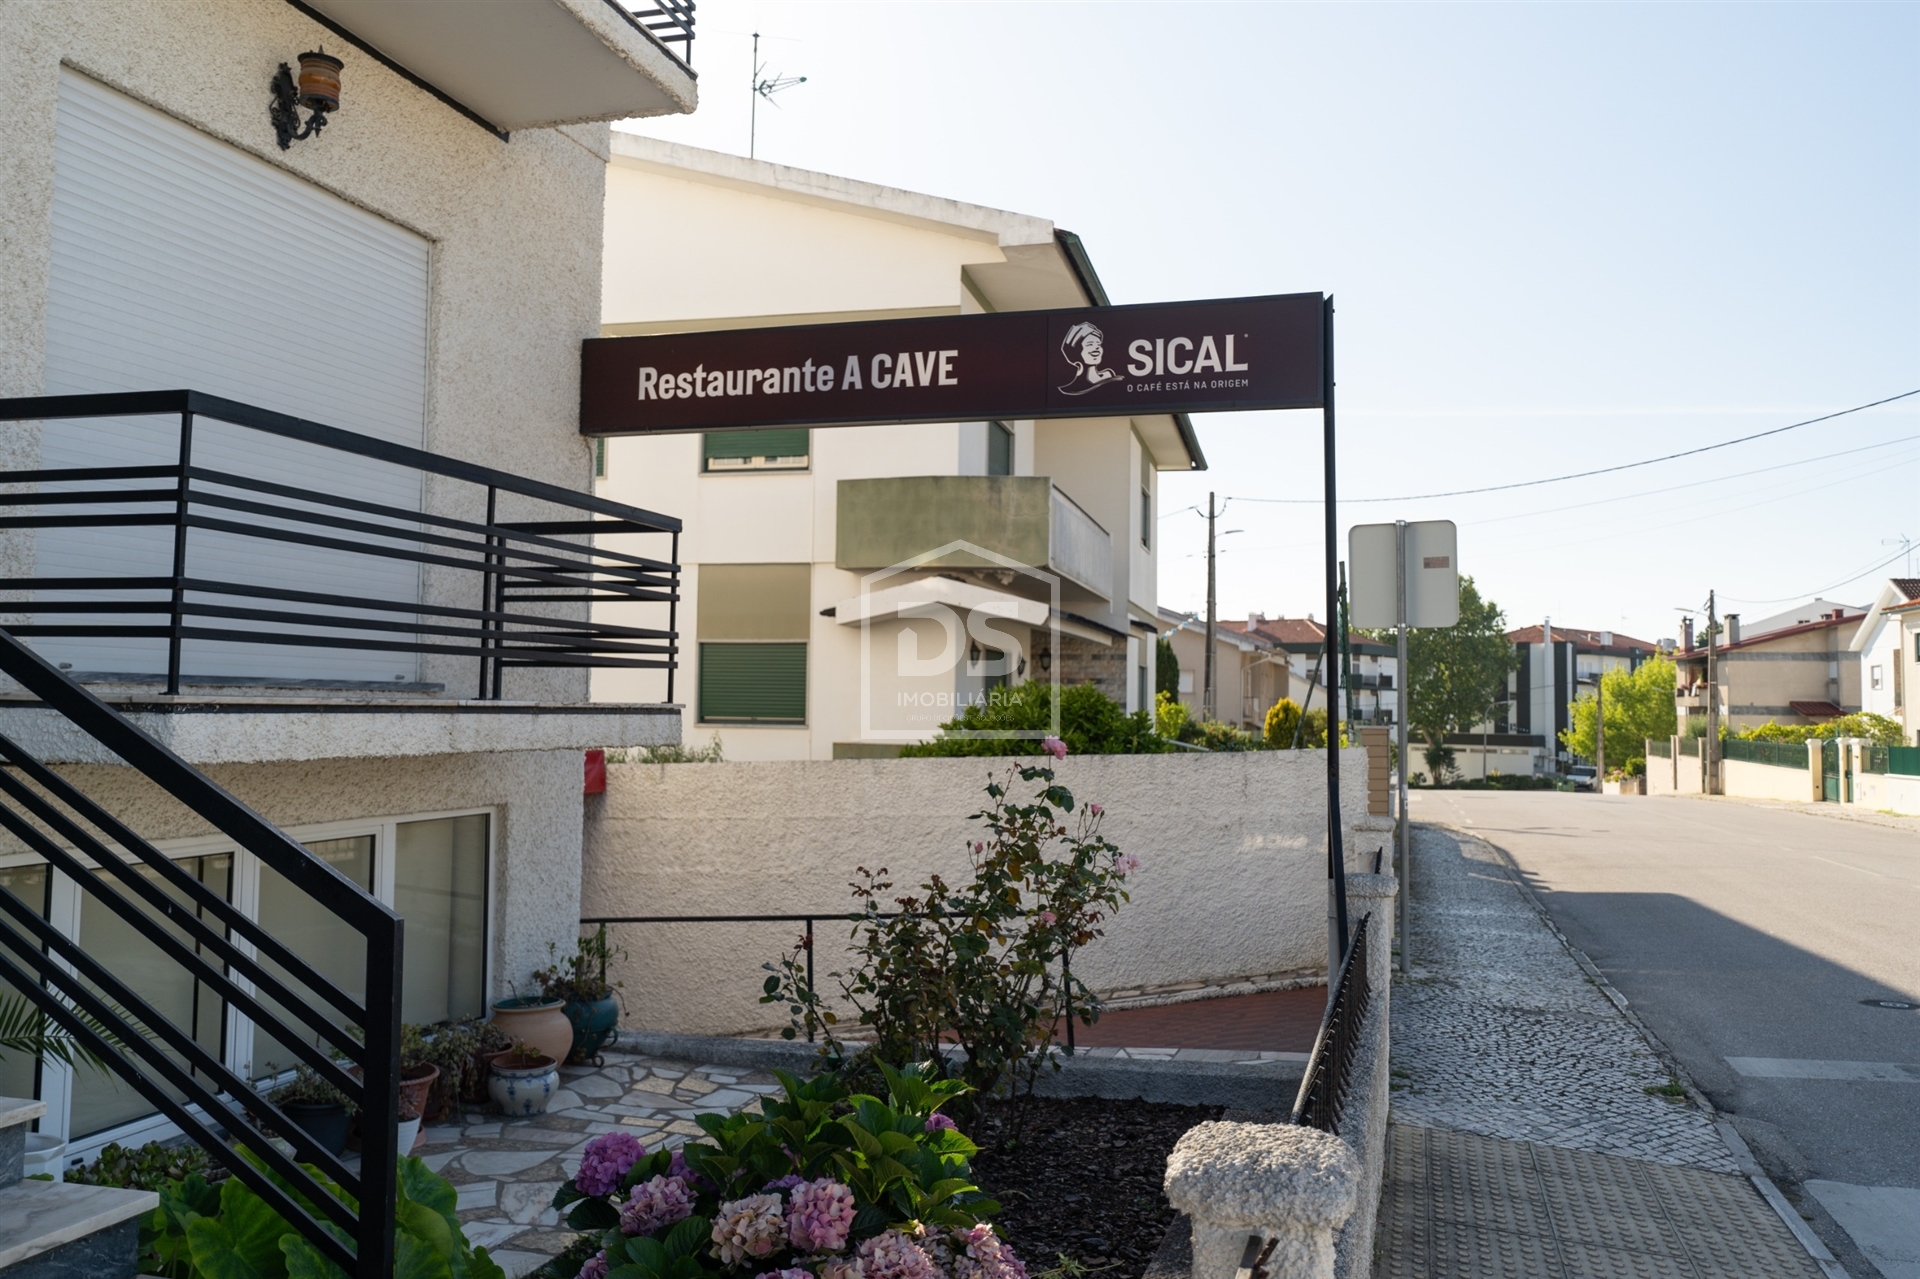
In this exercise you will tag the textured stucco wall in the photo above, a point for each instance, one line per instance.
(537, 813)
(1232, 882)
(515, 229)
(1888, 792)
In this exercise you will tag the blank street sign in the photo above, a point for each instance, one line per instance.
(1433, 575)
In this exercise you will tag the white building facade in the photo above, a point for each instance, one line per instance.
(420, 274)
(847, 590)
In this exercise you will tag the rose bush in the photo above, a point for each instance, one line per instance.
(820, 1185)
(977, 966)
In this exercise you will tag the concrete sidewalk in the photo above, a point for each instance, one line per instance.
(1536, 1131)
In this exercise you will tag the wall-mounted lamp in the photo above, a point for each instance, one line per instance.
(318, 90)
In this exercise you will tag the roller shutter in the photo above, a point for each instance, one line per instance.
(179, 261)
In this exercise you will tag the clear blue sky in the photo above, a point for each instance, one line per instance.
(1560, 236)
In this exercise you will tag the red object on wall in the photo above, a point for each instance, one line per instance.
(596, 773)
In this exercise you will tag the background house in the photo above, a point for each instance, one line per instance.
(1787, 670)
(1261, 660)
(1888, 644)
(802, 637)
(1550, 675)
(418, 276)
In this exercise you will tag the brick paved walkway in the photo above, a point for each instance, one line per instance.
(1525, 1141)
(1275, 1021)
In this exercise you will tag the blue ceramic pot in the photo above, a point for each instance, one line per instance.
(593, 1023)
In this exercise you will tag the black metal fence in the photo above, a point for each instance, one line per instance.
(1323, 1093)
(806, 944)
(521, 592)
(197, 930)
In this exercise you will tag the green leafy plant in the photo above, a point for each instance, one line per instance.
(307, 1088)
(1878, 729)
(147, 1167)
(672, 753)
(1172, 718)
(976, 965)
(582, 976)
(1283, 717)
(202, 1231)
(1639, 705)
(1091, 723)
(26, 1030)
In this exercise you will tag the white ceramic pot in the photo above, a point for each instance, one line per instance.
(407, 1134)
(524, 1090)
(45, 1155)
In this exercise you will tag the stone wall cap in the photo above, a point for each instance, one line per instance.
(1263, 1175)
(1372, 885)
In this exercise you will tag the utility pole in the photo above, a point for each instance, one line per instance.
(1547, 676)
(1207, 709)
(1712, 746)
(1600, 725)
(1405, 704)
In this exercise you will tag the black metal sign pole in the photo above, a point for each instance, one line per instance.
(1336, 853)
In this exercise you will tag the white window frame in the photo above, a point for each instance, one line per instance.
(64, 898)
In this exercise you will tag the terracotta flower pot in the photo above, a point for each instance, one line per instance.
(539, 1023)
(415, 1083)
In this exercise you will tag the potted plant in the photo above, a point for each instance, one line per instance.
(523, 1079)
(537, 1020)
(580, 981)
(322, 1111)
(25, 1030)
(459, 1049)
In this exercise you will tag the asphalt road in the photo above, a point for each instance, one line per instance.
(1747, 937)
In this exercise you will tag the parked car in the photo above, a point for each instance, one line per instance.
(1584, 777)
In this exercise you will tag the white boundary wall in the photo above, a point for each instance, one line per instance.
(1746, 779)
(1232, 882)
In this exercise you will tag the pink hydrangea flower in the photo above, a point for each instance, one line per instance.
(978, 1253)
(605, 1161)
(937, 1122)
(596, 1267)
(654, 1205)
(844, 1268)
(891, 1255)
(1054, 747)
(792, 1273)
(819, 1215)
(1124, 863)
(752, 1227)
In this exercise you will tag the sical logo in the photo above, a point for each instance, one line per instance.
(1085, 350)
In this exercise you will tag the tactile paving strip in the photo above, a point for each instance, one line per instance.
(1459, 1206)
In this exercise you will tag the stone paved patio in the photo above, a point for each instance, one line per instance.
(506, 1170)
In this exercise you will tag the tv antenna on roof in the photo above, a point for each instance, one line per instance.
(1905, 543)
(764, 86)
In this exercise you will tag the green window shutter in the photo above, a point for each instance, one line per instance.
(999, 449)
(764, 683)
(731, 444)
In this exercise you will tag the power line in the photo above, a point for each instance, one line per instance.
(1604, 470)
(1822, 590)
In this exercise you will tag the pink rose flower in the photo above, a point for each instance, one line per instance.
(1048, 918)
(1124, 863)
(1054, 747)
(1095, 809)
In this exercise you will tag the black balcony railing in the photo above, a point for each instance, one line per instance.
(671, 22)
(195, 932)
(1323, 1093)
(513, 584)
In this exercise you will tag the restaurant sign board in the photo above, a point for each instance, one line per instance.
(1116, 361)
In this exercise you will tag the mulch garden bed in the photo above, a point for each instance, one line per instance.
(1083, 1178)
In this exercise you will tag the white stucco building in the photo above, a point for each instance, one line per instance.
(792, 624)
(1888, 643)
(419, 273)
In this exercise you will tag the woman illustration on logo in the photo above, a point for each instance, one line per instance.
(1085, 346)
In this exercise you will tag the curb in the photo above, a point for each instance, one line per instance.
(1262, 1086)
(1735, 1144)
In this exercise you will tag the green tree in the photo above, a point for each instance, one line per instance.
(1282, 718)
(1877, 729)
(1457, 674)
(1166, 675)
(1639, 705)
